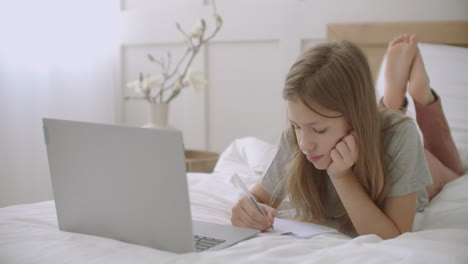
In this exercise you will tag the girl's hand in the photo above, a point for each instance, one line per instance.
(245, 214)
(344, 155)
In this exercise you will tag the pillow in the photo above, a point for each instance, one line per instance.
(246, 156)
(447, 67)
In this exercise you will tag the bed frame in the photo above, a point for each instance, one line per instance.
(373, 38)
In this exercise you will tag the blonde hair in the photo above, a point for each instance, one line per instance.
(335, 75)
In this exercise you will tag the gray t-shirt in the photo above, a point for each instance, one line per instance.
(406, 165)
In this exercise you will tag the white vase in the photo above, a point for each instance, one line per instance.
(157, 116)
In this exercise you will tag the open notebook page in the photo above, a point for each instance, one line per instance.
(298, 229)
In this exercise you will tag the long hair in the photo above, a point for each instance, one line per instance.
(335, 75)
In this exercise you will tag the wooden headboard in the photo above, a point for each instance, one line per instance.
(373, 38)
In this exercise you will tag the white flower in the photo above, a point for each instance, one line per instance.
(152, 82)
(177, 87)
(195, 79)
(145, 84)
(135, 86)
(197, 30)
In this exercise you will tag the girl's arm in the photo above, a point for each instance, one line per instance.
(396, 218)
(245, 214)
(398, 214)
(264, 197)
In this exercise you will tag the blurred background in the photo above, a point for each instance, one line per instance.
(72, 59)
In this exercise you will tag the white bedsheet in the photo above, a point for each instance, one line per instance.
(29, 233)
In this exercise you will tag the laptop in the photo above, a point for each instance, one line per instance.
(129, 184)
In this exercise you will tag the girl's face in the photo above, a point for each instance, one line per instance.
(316, 135)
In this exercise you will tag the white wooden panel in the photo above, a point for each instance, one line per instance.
(187, 110)
(245, 92)
(243, 20)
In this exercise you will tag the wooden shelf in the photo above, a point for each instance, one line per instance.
(200, 161)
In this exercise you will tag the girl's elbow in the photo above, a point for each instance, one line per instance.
(384, 235)
(390, 236)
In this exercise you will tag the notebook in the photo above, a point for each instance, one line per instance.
(129, 184)
(299, 229)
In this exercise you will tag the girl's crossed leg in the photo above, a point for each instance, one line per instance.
(404, 62)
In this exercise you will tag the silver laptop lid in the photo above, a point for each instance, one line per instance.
(120, 182)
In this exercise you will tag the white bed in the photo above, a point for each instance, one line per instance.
(29, 233)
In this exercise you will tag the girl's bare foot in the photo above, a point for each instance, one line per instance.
(419, 87)
(399, 58)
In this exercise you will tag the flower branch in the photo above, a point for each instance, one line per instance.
(164, 87)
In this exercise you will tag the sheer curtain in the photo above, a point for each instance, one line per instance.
(58, 59)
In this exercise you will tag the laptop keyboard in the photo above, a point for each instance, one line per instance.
(204, 243)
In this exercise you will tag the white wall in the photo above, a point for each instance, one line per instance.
(53, 63)
(247, 61)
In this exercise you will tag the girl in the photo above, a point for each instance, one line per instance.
(348, 162)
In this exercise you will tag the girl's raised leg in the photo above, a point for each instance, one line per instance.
(399, 59)
(404, 62)
(431, 120)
